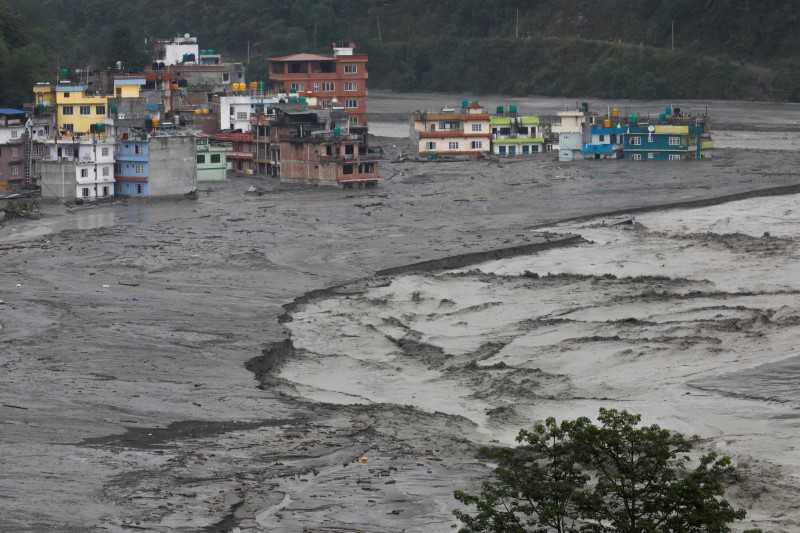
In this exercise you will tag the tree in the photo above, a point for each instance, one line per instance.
(611, 477)
(539, 480)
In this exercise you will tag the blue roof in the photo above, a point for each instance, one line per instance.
(70, 88)
(598, 148)
(608, 131)
(9, 111)
(130, 81)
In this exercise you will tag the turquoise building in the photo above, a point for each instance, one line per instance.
(663, 143)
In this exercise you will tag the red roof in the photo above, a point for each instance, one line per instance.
(302, 57)
(474, 105)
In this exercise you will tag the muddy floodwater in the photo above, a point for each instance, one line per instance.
(321, 360)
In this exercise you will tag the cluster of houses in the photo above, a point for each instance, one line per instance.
(187, 119)
(190, 118)
(472, 132)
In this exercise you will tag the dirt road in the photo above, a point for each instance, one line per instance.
(127, 402)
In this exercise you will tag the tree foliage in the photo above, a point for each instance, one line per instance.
(601, 48)
(616, 476)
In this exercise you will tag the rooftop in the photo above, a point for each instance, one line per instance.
(303, 57)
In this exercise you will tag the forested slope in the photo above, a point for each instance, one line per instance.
(612, 48)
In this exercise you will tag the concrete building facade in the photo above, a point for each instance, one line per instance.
(75, 167)
(466, 132)
(158, 164)
(337, 80)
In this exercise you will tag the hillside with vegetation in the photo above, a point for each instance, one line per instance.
(728, 49)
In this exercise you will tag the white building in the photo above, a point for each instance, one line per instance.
(78, 167)
(172, 52)
(235, 110)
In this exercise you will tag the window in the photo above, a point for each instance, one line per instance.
(298, 87)
(14, 151)
(351, 86)
(84, 172)
(99, 110)
(14, 134)
(477, 145)
(351, 104)
(548, 148)
(674, 157)
(86, 110)
(117, 168)
(139, 188)
(350, 69)
(453, 145)
(104, 151)
(347, 169)
(85, 192)
(316, 86)
(118, 188)
(369, 168)
(105, 191)
(636, 141)
(40, 150)
(201, 158)
(501, 150)
(66, 95)
(105, 171)
(67, 110)
(651, 155)
(636, 157)
(526, 150)
(674, 141)
(477, 127)
(241, 115)
(602, 138)
(15, 170)
(328, 86)
(215, 158)
(69, 127)
(430, 146)
(138, 149)
(613, 138)
(226, 76)
(138, 169)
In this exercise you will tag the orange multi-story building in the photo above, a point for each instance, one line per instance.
(337, 80)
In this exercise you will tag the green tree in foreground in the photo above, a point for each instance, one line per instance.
(611, 477)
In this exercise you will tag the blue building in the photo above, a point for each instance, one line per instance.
(663, 143)
(156, 164)
(606, 143)
(132, 167)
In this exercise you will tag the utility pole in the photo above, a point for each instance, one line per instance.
(517, 33)
(673, 34)
(380, 39)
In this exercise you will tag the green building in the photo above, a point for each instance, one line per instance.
(212, 164)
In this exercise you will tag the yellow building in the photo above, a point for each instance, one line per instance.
(451, 132)
(128, 87)
(77, 109)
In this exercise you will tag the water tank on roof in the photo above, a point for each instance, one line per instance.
(634, 119)
(211, 52)
(464, 103)
(155, 123)
(261, 86)
(614, 112)
(662, 116)
(253, 85)
(113, 109)
(192, 58)
(155, 65)
(668, 110)
(302, 99)
(206, 111)
(64, 74)
(512, 109)
(185, 58)
(607, 123)
(203, 52)
(337, 131)
(198, 111)
(499, 110)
